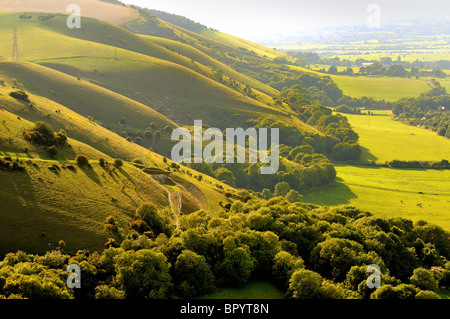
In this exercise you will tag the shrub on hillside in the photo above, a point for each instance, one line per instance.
(118, 163)
(43, 134)
(82, 160)
(20, 95)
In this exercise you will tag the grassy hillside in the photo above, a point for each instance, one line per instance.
(170, 88)
(81, 96)
(205, 59)
(72, 204)
(233, 41)
(98, 141)
(40, 206)
(90, 8)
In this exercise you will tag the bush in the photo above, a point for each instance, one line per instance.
(82, 160)
(427, 295)
(148, 213)
(305, 284)
(102, 162)
(43, 134)
(192, 274)
(138, 161)
(143, 274)
(140, 226)
(118, 163)
(424, 279)
(20, 95)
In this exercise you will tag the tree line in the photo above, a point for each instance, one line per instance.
(309, 252)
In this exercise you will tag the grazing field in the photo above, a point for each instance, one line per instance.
(412, 194)
(408, 193)
(253, 290)
(384, 139)
(380, 88)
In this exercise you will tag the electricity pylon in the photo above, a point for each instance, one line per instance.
(15, 54)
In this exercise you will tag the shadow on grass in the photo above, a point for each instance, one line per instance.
(366, 156)
(89, 171)
(331, 195)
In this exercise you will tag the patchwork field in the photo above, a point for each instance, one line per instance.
(408, 193)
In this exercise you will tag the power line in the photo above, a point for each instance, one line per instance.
(15, 54)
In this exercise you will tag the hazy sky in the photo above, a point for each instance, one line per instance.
(253, 18)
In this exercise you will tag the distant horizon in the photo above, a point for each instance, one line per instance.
(257, 19)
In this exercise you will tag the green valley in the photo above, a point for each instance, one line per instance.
(94, 117)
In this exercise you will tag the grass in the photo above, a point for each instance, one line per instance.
(141, 70)
(94, 9)
(40, 207)
(206, 60)
(253, 290)
(444, 294)
(380, 88)
(412, 194)
(384, 139)
(390, 192)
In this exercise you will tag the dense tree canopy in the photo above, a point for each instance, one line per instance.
(307, 251)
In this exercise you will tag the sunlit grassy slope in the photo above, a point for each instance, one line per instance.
(205, 59)
(242, 43)
(94, 136)
(90, 8)
(83, 97)
(176, 91)
(384, 139)
(40, 207)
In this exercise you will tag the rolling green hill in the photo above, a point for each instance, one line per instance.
(206, 60)
(170, 88)
(215, 35)
(72, 204)
(100, 10)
